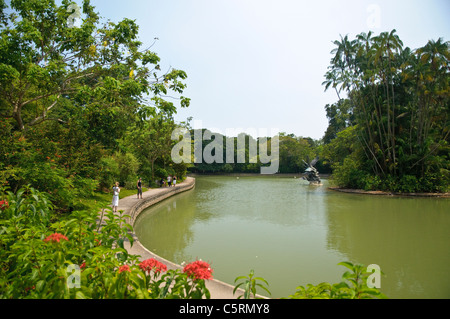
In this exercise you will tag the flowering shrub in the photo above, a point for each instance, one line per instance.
(4, 204)
(198, 270)
(55, 237)
(81, 255)
(124, 268)
(152, 265)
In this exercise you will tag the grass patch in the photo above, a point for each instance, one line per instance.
(101, 200)
(128, 192)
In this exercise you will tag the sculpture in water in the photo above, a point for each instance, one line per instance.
(312, 174)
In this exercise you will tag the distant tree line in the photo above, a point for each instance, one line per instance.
(292, 151)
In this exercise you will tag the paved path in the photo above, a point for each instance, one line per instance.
(133, 206)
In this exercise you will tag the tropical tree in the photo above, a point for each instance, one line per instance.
(292, 152)
(340, 116)
(400, 101)
(151, 142)
(69, 94)
(99, 66)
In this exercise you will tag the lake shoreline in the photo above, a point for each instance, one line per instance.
(327, 176)
(297, 175)
(383, 193)
(259, 223)
(133, 207)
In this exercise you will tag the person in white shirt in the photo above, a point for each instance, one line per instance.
(115, 199)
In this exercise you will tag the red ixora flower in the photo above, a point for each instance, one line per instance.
(198, 270)
(55, 238)
(152, 264)
(124, 268)
(4, 204)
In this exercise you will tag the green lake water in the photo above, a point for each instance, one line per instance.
(294, 234)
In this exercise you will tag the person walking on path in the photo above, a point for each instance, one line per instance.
(174, 181)
(169, 180)
(139, 188)
(115, 199)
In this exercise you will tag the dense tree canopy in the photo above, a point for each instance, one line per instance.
(292, 151)
(398, 101)
(98, 66)
(70, 96)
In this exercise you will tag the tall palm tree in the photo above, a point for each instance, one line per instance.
(433, 87)
(387, 47)
(332, 80)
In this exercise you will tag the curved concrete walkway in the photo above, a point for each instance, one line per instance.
(133, 206)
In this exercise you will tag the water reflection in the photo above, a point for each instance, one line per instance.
(408, 238)
(293, 234)
(161, 225)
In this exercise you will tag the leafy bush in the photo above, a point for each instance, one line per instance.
(349, 174)
(128, 166)
(408, 184)
(161, 173)
(80, 256)
(372, 183)
(435, 182)
(109, 172)
(84, 187)
(352, 286)
(430, 183)
(250, 284)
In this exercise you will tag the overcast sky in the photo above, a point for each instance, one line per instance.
(258, 64)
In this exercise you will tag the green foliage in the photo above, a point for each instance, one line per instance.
(340, 116)
(150, 143)
(39, 255)
(372, 183)
(345, 144)
(292, 151)
(98, 65)
(70, 97)
(128, 167)
(36, 267)
(42, 166)
(407, 184)
(181, 287)
(349, 174)
(397, 101)
(84, 187)
(108, 173)
(250, 284)
(353, 286)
